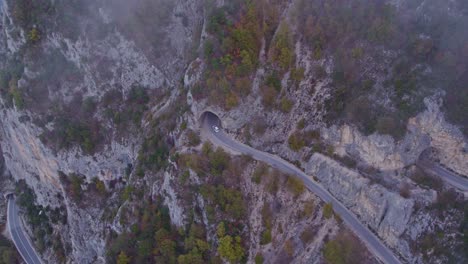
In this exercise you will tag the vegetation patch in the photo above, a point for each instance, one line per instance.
(299, 139)
(351, 31)
(426, 180)
(232, 53)
(328, 210)
(8, 253)
(227, 200)
(282, 51)
(344, 248)
(154, 238)
(295, 185)
(40, 220)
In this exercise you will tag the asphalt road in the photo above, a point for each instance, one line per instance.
(23, 245)
(373, 243)
(450, 177)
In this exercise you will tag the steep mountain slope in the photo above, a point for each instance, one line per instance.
(100, 127)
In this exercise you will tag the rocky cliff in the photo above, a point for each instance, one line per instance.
(298, 131)
(426, 130)
(387, 213)
(101, 63)
(101, 104)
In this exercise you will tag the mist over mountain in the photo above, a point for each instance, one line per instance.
(241, 131)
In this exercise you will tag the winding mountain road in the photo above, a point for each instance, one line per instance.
(374, 244)
(449, 177)
(22, 244)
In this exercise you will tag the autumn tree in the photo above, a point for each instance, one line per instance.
(282, 49)
(231, 248)
(34, 35)
(123, 258)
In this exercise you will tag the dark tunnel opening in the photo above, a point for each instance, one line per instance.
(210, 118)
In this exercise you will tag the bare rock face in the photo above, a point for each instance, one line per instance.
(86, 231)
(385, 212)
(376, 150)
(116, 61)
(428, 129)
(122, 59)
(451, 146)
(171, 199)
(26, 156)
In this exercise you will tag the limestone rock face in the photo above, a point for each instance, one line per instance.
(385, 212)
(427, 129)
(26, 156)
(171, 199)
(118, 61)
(376, 150)
(125, 64)
(451, 145)
(86, 232)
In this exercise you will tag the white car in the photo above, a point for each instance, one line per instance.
(216, 129)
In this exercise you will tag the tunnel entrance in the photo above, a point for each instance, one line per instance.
(429, 154)
(210, 118)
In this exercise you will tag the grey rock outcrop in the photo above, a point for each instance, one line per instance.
(385, 212)
(171, 199)
(28, 158)
(86, 232)
(427, 129)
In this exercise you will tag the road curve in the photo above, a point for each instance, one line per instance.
(451, 178)
(373, 243)
(22, 244)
